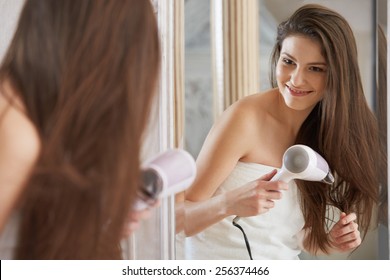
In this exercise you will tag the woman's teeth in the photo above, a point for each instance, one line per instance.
(298, 92)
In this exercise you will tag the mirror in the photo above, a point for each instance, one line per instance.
(381, 109)
(364, 17)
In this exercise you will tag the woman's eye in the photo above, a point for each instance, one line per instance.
(287, 61)
(317, 69)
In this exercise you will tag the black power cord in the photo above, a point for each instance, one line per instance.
(248, 247)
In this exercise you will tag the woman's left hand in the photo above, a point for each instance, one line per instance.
(135, 217)
(345, 235)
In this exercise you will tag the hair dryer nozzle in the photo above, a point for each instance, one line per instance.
(329, 179)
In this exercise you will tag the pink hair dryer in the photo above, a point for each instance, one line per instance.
(168, 173)
(302, 162)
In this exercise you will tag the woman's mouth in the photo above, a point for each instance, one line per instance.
(296, 92)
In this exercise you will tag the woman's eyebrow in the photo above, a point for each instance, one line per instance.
(311, 63)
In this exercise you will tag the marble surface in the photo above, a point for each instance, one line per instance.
(198, 75)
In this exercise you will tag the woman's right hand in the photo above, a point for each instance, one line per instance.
(256, 197)
(253, 198)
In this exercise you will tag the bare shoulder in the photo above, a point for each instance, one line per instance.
(240, 123)
(19, 139)
(19, 150)
(252, 110)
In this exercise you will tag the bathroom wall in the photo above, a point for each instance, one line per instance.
(9, 14)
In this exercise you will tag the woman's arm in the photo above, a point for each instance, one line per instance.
(19, 149)
(230, 139)
(254, 198)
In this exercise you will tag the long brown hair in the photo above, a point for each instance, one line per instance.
(342, 128)
(87, 73)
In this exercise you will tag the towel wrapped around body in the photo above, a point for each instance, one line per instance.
(272, 235)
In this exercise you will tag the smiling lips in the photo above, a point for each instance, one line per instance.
(296, 92)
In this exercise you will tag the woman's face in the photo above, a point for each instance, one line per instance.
(301, 72)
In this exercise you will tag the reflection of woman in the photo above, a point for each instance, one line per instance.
(76, 87)
(318, 101)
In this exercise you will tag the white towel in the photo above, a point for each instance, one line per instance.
(272, 235)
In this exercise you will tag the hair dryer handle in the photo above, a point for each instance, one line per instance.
(282, 175)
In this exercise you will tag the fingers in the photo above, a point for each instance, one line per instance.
(257, 197)
(134, 219)
(346, 219)
(341, 227)
(348, 241)
(263, 207)
(268, 176)
(136, 216)
(130, 228)
(268, 204)
(345, 235)
(271, 195)
(267, 192)
(352, 233)
(271, 185)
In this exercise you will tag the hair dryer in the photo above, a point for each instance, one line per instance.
(167, 174)
(302, 162)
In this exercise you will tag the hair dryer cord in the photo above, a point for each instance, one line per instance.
(248, 247)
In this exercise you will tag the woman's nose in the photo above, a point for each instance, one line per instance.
(297, 77)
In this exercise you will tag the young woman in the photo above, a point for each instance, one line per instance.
(318, 101)
(76, 86)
